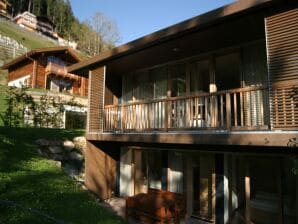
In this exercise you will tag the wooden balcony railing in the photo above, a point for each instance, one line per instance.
(237, 108)
(59, 70)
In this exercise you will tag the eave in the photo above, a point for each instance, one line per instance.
(40, 51)
(196, 23)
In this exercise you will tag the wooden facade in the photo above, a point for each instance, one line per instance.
(4, 4)
(46, 69)
(205, 109)
(282, 44)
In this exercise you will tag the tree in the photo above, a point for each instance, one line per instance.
(93, 36)
(106, 32)
(23, 111)
(19, 103)
(48, 112)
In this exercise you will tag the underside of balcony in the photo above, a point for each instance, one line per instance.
(236, 138)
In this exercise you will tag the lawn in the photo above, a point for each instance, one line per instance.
(2, 102)
(35, 190)
(28, 39)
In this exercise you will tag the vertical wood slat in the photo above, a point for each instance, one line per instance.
(235, 110)
(221, 111)
(282, 48)
(247, 193)
(206, 111)
(228, 110)
(96, 100)
(241, 109)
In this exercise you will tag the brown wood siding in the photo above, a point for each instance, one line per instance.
(100, 171)
(76, 87)
(96, 100)
(109, 97)
(40, 76)
(282, 53)
(84, 87)
(20, 71)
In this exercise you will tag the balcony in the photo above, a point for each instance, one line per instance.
(59, 70)
(235, 109)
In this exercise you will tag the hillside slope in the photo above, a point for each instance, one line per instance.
(29, 39)
(35, 190)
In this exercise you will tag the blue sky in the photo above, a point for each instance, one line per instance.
(136, 18)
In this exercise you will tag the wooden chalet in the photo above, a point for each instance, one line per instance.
(205, 113)
(45, 68)
(26, 20)
(40, 24)
(4, 4)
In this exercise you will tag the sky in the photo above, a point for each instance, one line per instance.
(137, 18)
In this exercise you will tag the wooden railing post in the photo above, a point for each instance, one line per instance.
(228, 110)
(169, 113)
(166, 115)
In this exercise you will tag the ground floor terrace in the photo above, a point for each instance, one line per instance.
(219, 184)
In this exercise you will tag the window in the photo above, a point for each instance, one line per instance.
(58, 85)
(128, 88)
(158, 79)
(176, 172)
(264, 190)
(178, 79)
(199, 76)
(227, 72)
(154, 169)
(203, 169)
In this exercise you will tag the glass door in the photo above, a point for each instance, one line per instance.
(140, 172)
(203, 186)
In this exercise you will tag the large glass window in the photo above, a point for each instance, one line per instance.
(264, 190)
(128, 87)
(254, 74)
(159, 81)
(254, 65)
(154, 169)
(178, 79)
(227, 71)
(144, 86)
(176, 172)
(199, 76)
(203, 169)
(290, 190)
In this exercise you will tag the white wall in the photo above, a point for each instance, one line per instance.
(20, 82)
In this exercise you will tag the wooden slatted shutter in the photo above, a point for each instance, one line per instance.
(282, 53)
(96, 100)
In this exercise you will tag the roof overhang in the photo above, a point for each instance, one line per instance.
(180, 29)
(38, 51)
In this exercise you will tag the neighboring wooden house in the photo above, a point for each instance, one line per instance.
(26, 20)
(3, 7)
(35, 23)
(45, 68)
(205, 109)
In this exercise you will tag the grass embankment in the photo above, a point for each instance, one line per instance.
(3, 105)
(35, 190)
(29, 39)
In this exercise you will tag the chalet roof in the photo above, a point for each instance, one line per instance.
(176, 30)
(38, 51)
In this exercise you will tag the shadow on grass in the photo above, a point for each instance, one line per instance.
(34, 188)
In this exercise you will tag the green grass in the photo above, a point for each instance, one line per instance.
(35, 190)
(3, 77)
(3, 106)
(28, 39)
